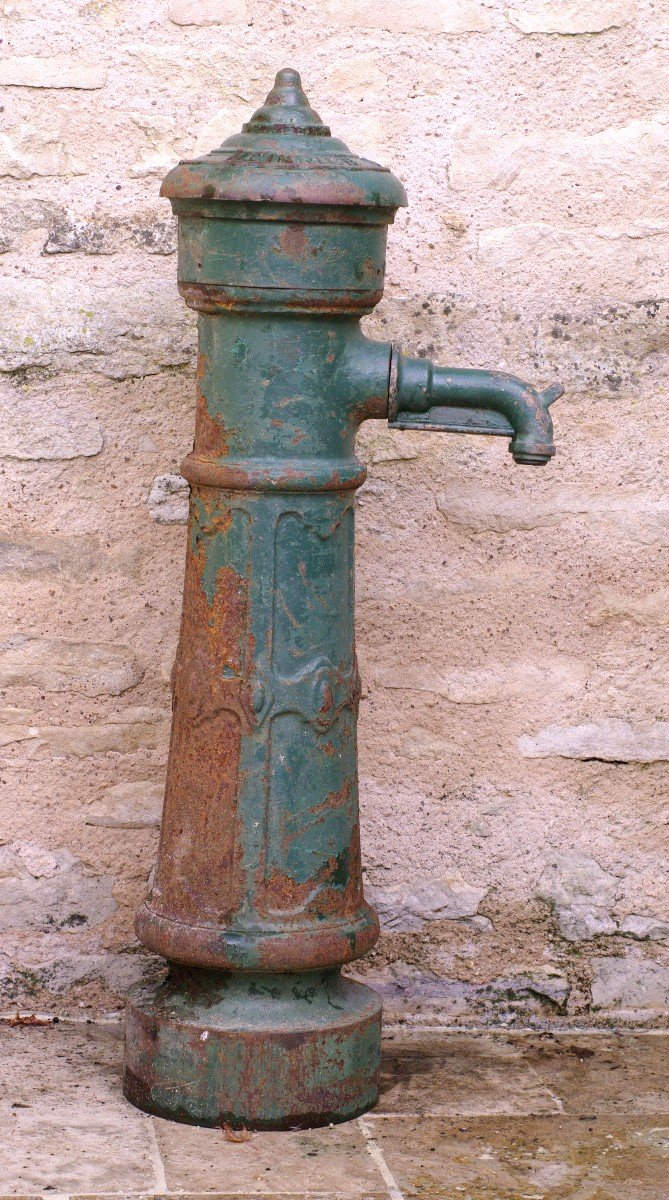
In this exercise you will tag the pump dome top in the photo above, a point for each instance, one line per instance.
(286, 155)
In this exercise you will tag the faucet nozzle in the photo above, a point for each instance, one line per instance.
(426, 397)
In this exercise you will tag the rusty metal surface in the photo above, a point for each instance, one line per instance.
(258, 897)
(253, 1051)
(259, 862)
(285, 153)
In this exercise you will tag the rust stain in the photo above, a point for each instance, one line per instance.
(211, 434)
(293, 241)
(373, 407)
(198, 872)
(223, 297)
(29, 1019)
(337, 799)
(305, 952)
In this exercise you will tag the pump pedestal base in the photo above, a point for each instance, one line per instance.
(260, 1051)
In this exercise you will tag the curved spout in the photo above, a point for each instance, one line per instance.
(417, 386)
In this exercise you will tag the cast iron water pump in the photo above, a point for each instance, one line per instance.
(257, 899)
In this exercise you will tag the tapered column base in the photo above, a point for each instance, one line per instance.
(260, 1051)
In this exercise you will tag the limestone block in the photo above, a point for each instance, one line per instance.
(625, 262)
(142, 729)
(580, 893)
(128, 806)
(61, 971)
(27, 151)
(227, 121)
(16, 730)
(74, 556)
(630, 982)
(633, 516)
(496, 683)
(355, 73)
(505, 998)
(395, 16)
(482, 510)
(21, 558)
(207, 12)
(69, 233)
(645, 929)
(484, 158)
(424, 744)
(38, 426)
(651, 608)
(387, 445)
(572, 16)
(137, 729)
(168, 500)
(115, 321)
(154, 234)
(50, 890)
(406, 907)
(154, 164)
(52, 71)
(93, 669)
(551, 985)
(371, 134)
(546, 172)
(611, 740)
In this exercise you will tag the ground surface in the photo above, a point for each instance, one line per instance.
(461, 1117)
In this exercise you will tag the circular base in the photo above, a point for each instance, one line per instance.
(259, 1051)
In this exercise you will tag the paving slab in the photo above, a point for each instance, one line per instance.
(527, 1158)
(331, 1161)
(64, 1124)
(606, 1073)
(467, 1074)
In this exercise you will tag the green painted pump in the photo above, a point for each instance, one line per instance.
(258, 900)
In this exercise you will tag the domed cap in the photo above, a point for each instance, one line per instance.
(286, 155)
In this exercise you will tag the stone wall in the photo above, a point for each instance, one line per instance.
(513, 623)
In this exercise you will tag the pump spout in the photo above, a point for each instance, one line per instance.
(423, 396)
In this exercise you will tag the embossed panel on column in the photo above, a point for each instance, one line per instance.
(311, 834)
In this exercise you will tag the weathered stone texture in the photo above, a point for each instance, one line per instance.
(572, 16)
(630, 983)
(28, 151)
(405, 909)
(55, 666)
(138, 729)
(207, 12)
(46, 891)
(513, 625)
(127, 806)
(609, 741)
(434, 16)
(168, 500)
(52, 71)
(581, 895)
(31, 427)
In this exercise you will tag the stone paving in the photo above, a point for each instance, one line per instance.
(462, 1116)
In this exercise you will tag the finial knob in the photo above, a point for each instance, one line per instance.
(287, 110)
(287, 78)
